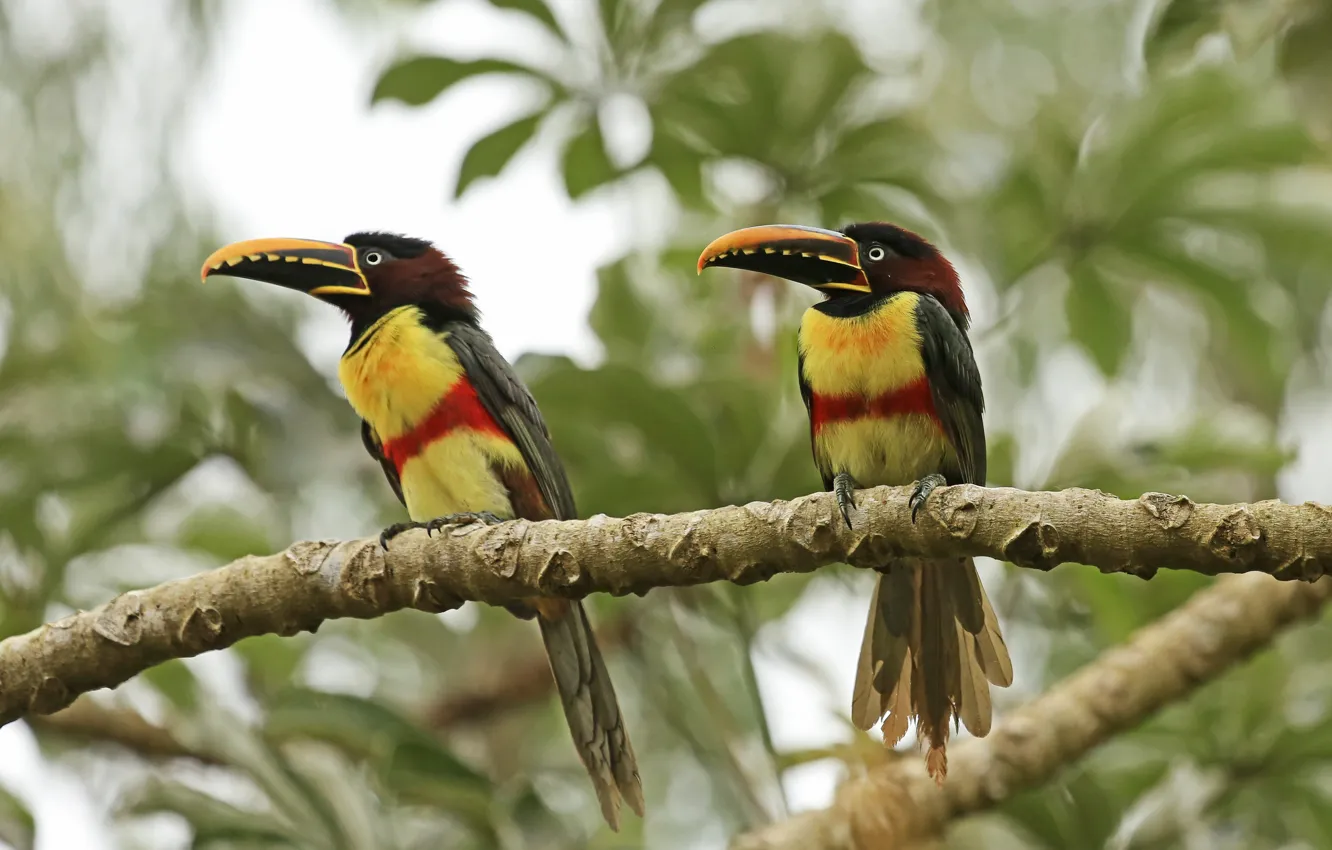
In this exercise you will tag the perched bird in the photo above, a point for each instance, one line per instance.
(458, 435)
(894, 398)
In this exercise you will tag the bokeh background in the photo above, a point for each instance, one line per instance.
(1138, 194)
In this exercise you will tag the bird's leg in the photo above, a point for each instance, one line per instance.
(922, 490)
(844, 489)
(431, 526)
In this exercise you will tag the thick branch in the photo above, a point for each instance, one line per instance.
(298, 589)
(897, 806)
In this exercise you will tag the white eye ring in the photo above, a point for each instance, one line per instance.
(372, 258)
(876, 253)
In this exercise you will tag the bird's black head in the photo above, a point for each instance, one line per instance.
(366, 275)
(874, 257)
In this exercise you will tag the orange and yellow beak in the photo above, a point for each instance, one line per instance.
(823, 259)
(309, 266)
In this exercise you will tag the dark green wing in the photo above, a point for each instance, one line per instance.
(955, 384)
(807, 395)
(506, 398)
(375, 448)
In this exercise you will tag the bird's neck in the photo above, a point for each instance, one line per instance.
(435, 316)
(867, 347)
(850, 306)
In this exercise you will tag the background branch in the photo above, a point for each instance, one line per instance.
(298, 589)
(899, 806)
(87, 721)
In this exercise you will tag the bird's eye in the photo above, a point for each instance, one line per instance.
(372, 258)
(876, 253)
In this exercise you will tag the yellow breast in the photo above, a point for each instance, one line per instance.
(875, 450)
(396, 371)
(866, 355)
(395, 376)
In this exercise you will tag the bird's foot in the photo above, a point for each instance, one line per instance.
(431, 526)
(922, 490)
(844, 490)
(393, 531)
(464, 518)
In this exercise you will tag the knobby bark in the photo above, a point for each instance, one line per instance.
(897, 806)
(296, 590)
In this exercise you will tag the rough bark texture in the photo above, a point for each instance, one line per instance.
(897, 806)
(296, 590)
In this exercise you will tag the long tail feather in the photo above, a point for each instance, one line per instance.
(590, 707)
(931, 651)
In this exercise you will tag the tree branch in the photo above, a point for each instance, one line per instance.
(897, 806)
(296, 590)
(85, 720)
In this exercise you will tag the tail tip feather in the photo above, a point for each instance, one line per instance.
(633, 795)
(936, 763)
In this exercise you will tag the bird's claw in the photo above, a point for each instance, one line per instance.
(431, 526)
(844, 489)
(922, 490)
(465, 518)
(393, 531)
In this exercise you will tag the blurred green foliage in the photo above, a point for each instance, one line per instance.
(1136, 194)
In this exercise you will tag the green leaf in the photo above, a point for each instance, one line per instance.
(350, 796)
(678, 163)
(672, 16)
(1179, 25)
(779, 595)
(799, 85)
(1083, 808)
(619, 317)
(1031, 201)
(612, 13)
(271, 661)
(1097, 317)
(291, 793)
(1204, 448)
(1001, 459)
(537, 9)
(890, 151)
(674, 459)
(211, 819)
(489, 155)
(175, 682)
(1246, 353)
(1306, 64)
(1155, 157)
(421, 79)
(1111, 602)
(1120, 604)
(223, 531)
(365, 729)
(416, 773)
(585, 164)
(17, 827)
